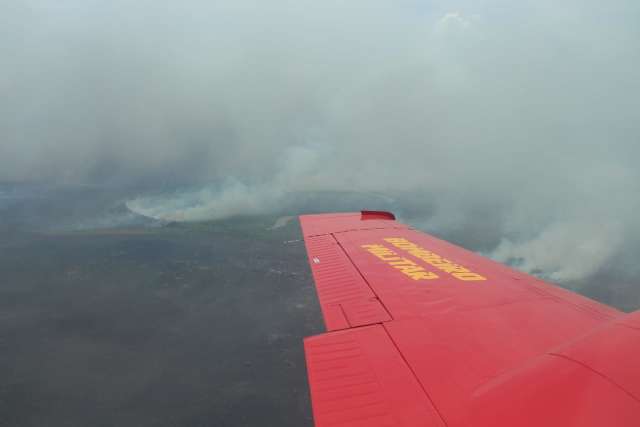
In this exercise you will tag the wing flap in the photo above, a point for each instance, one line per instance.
(357, 377)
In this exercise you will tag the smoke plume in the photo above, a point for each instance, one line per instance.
(517, 123)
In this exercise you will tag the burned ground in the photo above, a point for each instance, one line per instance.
(197, 325)
(112, 319)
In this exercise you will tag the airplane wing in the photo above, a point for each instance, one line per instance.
(422, 333)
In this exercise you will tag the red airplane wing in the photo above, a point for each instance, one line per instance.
(424, 333)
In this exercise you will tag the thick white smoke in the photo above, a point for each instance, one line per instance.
(521, 119)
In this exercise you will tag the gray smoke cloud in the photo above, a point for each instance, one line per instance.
(520, 119)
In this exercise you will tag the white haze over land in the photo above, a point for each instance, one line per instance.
(522, 117)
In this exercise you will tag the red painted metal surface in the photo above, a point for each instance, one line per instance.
(360, 379)
(470, 341)
(345, 298)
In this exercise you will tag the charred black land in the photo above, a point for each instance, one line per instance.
(179, 325)
(109, 318)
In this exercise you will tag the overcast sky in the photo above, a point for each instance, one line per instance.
(527, 112)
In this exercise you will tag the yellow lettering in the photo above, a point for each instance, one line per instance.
(423, 275)
(443, 264)
(401, 261)
(468, 276)
(405, 265)
(409, 269)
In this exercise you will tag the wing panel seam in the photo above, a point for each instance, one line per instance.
(422, 387)
(355, 266)
(600, 374)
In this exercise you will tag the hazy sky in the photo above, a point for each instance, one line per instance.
(527, 112)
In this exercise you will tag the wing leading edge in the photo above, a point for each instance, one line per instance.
(424, 333)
